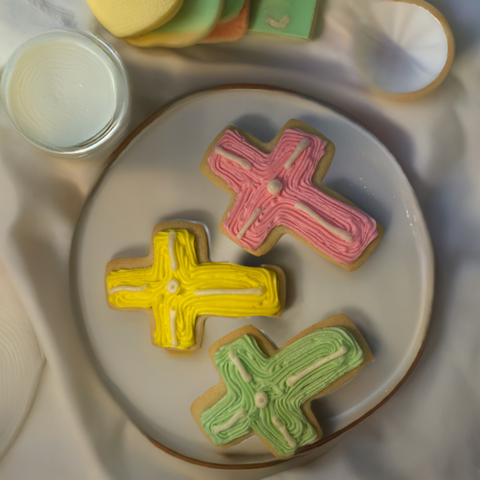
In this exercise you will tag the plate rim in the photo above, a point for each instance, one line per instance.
(430, 262)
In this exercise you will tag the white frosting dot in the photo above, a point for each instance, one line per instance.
(274, 186)
(261, 399)
(173, 286)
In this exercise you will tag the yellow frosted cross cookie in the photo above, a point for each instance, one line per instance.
(195, 20)
(180, 287)
(127, 18)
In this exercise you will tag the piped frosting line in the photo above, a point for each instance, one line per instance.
(302, 145)
(225, 426)
(291, 381)
(172, 236)
(332, 229)
(230, 291)
(234, 158)
(283, 430)
(238, 363)
(128, 288)
(247, 225)
(173, 317)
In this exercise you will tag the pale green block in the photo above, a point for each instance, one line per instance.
(194, 15)
(231, 10)
(195, 20)
(294, 18)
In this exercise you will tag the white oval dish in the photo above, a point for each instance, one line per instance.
(156, 177)
(403, 47)
(21, 363)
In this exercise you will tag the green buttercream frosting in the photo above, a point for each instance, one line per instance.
(269, 375)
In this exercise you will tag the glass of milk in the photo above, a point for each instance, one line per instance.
(67, 93)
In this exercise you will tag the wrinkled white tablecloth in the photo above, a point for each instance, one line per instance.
(431, 428)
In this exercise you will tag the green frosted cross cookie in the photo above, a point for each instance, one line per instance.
(264, 394)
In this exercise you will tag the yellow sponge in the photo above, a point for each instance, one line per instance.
(127, 18)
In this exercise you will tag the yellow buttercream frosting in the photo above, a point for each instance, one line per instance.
(179, 289)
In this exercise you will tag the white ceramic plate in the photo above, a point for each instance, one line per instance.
(157, 178)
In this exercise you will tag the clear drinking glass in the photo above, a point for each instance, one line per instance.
(67, 93)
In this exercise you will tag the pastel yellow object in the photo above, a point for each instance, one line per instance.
(127, 18)
(179, 289)
(194, 22)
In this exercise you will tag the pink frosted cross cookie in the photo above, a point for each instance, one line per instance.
(276, 188)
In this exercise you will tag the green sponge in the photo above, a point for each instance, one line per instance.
(231, 10)
(195, 20)
(292, 18)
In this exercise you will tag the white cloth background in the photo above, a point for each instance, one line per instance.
(431, 428)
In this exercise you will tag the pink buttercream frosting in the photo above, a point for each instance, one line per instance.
(251, 187)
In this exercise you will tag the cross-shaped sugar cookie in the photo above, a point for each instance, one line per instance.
(180, 287)
(276, 188)
(267, 391)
